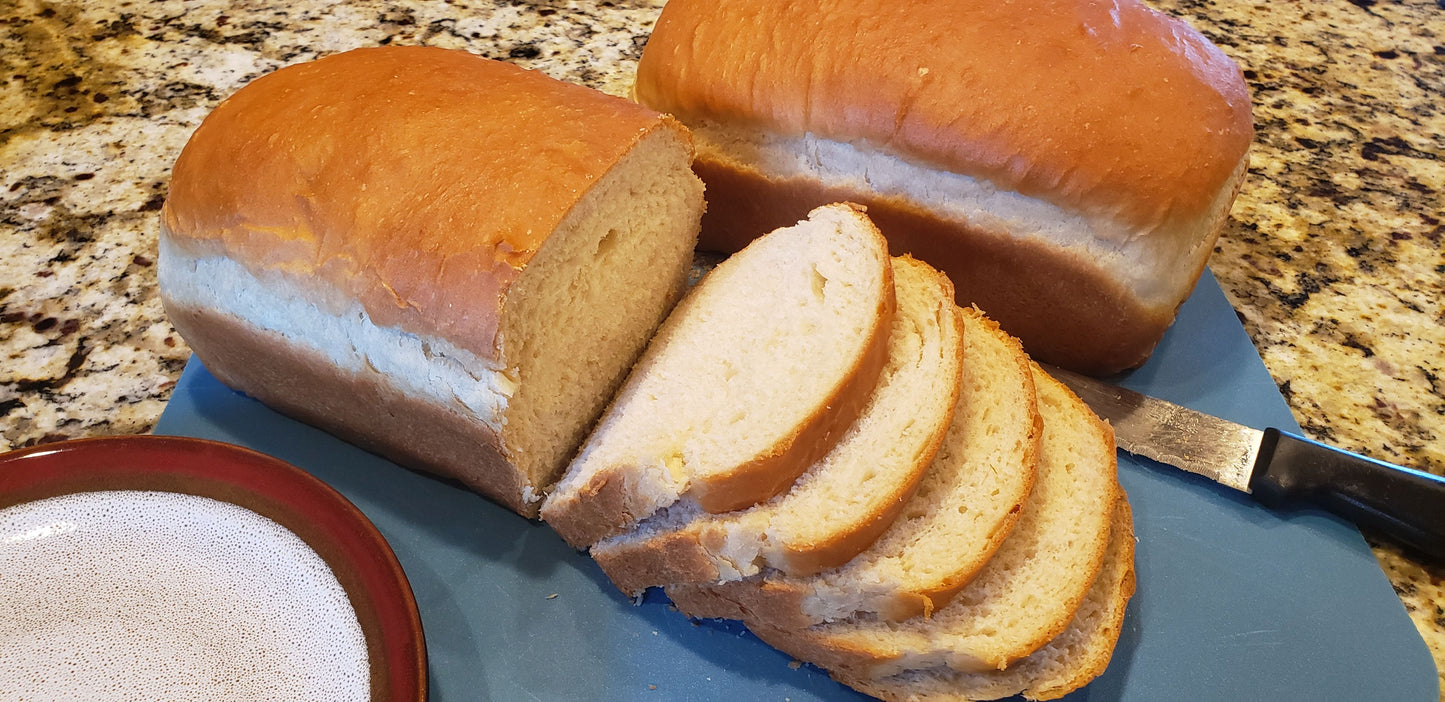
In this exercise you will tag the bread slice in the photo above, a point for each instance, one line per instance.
(964, 508)
(757, 374)
(389, 244)
(1065, 664)
(1030, 589)
(847, 498)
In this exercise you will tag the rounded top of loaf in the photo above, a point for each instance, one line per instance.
(419, 181)
(1107, 108)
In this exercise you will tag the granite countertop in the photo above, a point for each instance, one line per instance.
(1332, 257)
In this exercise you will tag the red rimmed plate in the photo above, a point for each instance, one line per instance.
(332, 526)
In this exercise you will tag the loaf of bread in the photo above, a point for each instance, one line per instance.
(848, 497)
(446, 259)
(965, 507)
(755, 375)
(1068, 163)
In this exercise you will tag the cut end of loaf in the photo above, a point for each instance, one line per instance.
(580, 314)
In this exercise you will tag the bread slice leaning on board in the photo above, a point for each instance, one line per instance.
(388, 244)
(755, 375)
(845, 499)
(1068, 163)
(964, 508)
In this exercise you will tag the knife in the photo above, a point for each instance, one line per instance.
(1277, 468)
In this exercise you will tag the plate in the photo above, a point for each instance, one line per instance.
(1234, 601)
(332, 527)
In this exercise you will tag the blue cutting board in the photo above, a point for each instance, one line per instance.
(1234, 602)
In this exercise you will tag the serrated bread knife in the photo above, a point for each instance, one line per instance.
(1274, 467)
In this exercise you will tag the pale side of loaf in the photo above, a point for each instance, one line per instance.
(755, 375)
(1067, 663)
(1068, 163)
(846, 499)
(1030, 589)
(964, 508)
(446, 259)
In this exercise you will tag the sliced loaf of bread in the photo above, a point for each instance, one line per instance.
(755, 375)
(1027, 593)
(1067, 663)
(845, 500)
(467, 305)
(964, 508)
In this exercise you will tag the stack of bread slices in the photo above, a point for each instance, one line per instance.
(820, 443)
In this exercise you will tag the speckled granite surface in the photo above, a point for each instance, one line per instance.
(1333, 256)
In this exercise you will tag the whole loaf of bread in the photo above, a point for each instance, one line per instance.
(1068, 163)
(446, 259)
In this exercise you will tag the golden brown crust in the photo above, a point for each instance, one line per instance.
(677, 555)
(759, 599)
(1111, 109)
(598, 509)
(376, 172)
(360, 408)
(1020, 283)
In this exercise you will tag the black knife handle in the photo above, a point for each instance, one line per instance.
(1399, 503)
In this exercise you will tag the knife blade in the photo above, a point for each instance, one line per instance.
(1277, 468)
